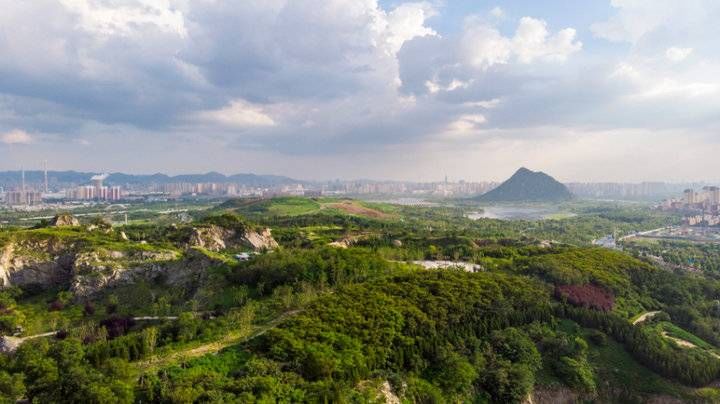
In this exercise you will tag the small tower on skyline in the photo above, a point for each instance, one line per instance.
(46, 176)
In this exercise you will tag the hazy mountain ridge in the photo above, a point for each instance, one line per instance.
(527, 185)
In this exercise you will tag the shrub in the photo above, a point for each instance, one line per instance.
(598, 338)
(588, 296)
(117, 326)
(56, 305)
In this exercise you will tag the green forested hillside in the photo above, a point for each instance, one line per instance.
(148, 313)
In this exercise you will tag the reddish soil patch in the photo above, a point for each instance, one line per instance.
(354, 208)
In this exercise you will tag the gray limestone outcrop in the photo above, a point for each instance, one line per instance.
(216, 238)
(54, 261)
(64, 220)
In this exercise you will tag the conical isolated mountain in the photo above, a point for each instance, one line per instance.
(528, 186)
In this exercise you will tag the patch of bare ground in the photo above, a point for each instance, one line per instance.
(560, 395)
(355, 208)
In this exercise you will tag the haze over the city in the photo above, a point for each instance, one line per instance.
(598, 90)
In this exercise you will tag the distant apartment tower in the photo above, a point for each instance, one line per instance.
(96, 191)
(18, 198)
(713, 195)
(690, 197)
(114, 193)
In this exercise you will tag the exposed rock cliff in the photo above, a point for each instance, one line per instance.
(97, 270)
(64, 220)
(42, 262)
(216, 238)
(50, 263)
(87, 267)
(260, 241)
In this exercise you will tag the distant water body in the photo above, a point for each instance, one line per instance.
(517, 213)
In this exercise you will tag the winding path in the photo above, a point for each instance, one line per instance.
(9, 344)
(645, 316)
(233, 338)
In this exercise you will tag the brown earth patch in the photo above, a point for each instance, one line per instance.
(355, 208)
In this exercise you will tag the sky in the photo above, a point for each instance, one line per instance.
(592, 90)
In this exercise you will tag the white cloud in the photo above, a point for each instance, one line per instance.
(239, 114)
(406, 22)
(467, 123)
(434, 87)
(16, 136)
(484, 46)
(532, 42)
(123, 19)
(646, 81)
(675, 54)
(305, 78)
(487, 104)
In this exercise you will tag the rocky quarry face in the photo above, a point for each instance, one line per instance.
(215, 238)
(64, 220)
(36, 263)
(53, 262)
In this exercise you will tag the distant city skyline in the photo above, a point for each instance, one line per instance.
(592, 91)
(440, 179)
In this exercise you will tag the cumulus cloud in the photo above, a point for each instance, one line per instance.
(327, 77)
(16, 136)
(532, 41)
(406, 22)
(484, 46)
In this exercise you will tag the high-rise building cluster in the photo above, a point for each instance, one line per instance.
(707, 199)
(200, 188)
(444, 188)
(611, 190)
(95, 191)
(20, 197)
(701, 208)
(24, 196)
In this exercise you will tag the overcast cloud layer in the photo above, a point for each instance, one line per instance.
(352, 88)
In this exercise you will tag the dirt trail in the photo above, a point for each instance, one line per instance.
(9, 344)
(681, 342)
(154, 318)
(234, 338)
(645, 316)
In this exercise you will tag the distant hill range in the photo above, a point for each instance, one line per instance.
(12, 178)
(528, 186)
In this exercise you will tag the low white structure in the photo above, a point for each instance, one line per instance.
(466, 266)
